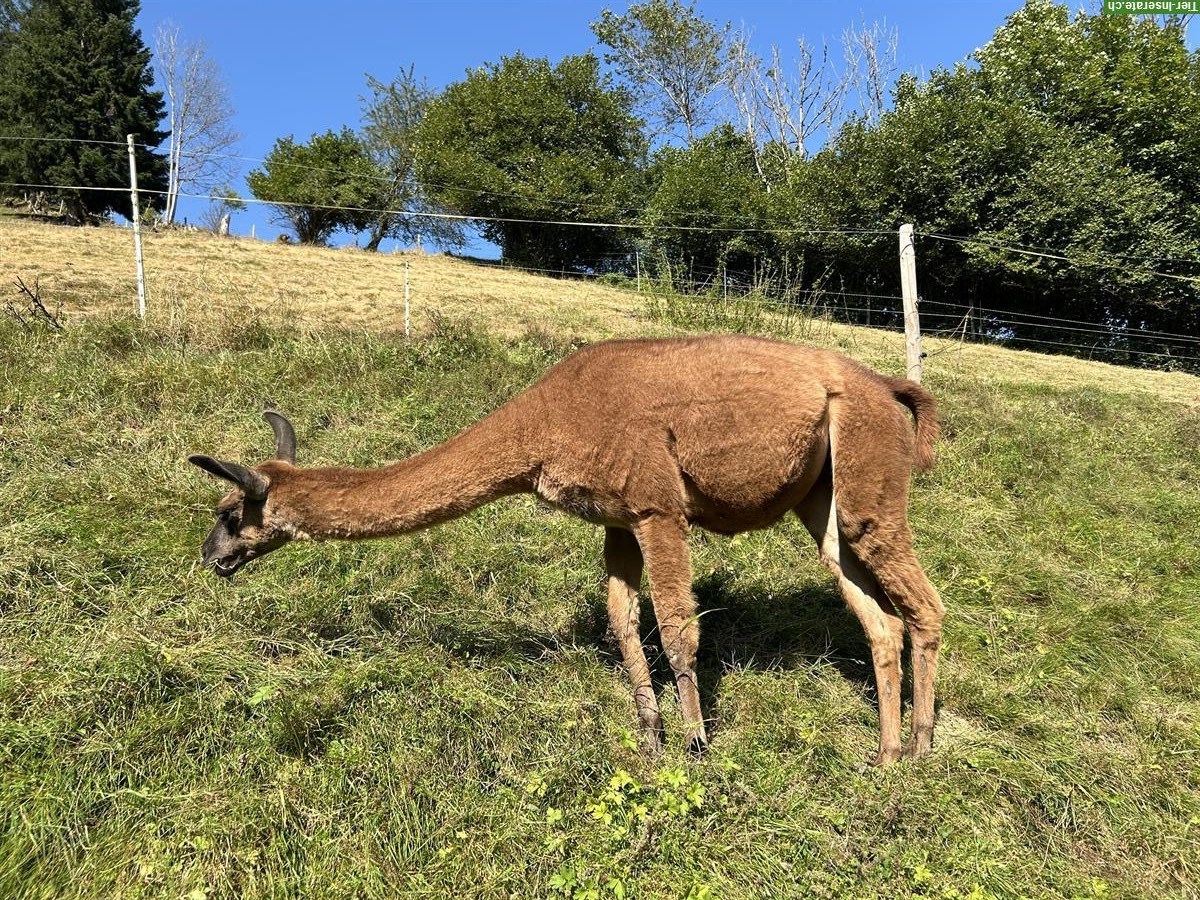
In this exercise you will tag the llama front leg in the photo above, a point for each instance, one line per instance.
(664, 546)
(623, 560)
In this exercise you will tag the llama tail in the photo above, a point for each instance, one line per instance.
(923, 407)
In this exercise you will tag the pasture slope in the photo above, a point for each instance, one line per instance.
(441, 715)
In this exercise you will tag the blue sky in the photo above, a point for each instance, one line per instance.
(300, 67)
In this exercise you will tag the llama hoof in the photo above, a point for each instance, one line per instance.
(697, 742)
(886, 756)
(917, 747)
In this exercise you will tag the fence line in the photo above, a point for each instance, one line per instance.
(633, 211)
(996, 320)
(1075, 261)
(1049, 250)
(631, 226)
(1042, 252)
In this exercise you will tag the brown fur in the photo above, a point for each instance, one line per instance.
(648, 438)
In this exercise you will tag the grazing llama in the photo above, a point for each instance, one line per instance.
(647, 438)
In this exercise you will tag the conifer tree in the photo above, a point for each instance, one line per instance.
(75, 79)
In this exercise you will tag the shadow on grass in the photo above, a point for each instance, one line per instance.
(751, 628)
(742, 627)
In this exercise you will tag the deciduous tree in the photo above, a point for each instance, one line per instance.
(199, 114)
(522, 139)
(672, 57)
(320, 187)
(392, 116)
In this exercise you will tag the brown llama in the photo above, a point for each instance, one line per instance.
(647, 438)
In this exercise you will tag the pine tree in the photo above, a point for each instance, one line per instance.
(71, 71)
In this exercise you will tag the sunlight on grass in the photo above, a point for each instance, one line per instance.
(442, 714)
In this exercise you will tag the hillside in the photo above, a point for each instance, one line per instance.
(197, 278)
(442, 715)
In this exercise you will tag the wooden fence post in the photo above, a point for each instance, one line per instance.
(912, 321)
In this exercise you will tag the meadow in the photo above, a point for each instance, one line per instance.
(443, 714)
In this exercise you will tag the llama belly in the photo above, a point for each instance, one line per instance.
(582, 501)
(753, 486)
(723, 516)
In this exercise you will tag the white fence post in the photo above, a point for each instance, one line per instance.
(137, 230)
(406, 299)
(912, 321)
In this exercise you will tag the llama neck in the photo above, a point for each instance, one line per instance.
(491, 459)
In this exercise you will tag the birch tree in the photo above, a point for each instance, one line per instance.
(871, 52)
(791, 104)
(199, 114)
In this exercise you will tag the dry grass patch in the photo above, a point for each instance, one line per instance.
(198, 276)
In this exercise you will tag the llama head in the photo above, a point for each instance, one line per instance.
(248, 524)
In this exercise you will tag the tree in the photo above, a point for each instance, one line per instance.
(75, 78)
(522, 139)
(200, 116)
(1126, 77)
(672, 57)
(870, 52)
(223, 203)
(789, 105)
(392, 117)
(785, 106)
(320, 187)
(1055, 141)
(713, 187)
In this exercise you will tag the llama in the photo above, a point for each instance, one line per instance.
(647, 438)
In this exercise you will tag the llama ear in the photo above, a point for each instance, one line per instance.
(253, 484)
(285, 435)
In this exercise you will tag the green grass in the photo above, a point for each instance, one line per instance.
(441, 715)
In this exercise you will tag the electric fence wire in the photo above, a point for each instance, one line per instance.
(993, 316)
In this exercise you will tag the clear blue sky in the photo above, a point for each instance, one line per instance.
(299, 67)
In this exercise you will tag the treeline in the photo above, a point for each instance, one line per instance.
(1054, 174)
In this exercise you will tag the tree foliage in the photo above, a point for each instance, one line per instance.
(75, 79)
(1068, 137)
(711, 189)
(523, 139)
(673, 58)
(392, 117)
(321, 187)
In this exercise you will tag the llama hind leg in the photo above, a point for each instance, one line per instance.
(901, 575)
(866, 599)
(623, 560)
(875, 527)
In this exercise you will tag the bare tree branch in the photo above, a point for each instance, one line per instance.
(199, 113)
(33, 310)
(871, 52)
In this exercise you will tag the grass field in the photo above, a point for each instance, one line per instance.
(442, 715)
